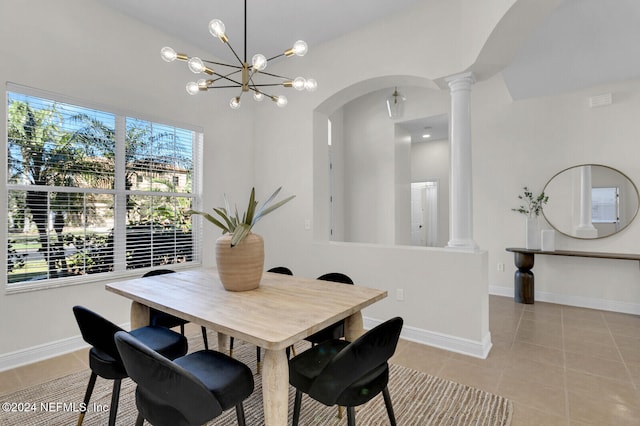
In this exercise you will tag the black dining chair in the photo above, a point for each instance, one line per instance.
(334, 331)
(281, 270)
(190, 390)
(163, 319)
(277, 270)
(104, 359)
(347, 373)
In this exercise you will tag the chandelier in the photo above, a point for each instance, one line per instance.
(247, 77)
(395, 104)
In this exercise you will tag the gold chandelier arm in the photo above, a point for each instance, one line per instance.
(222, 64)
(234, 53)
(226, 77)
(272, 97)
(271, 85)
(276, 75)
(275, 57)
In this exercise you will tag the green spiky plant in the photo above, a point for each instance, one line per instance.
(230, 223)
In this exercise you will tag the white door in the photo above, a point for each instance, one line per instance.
(424, 213)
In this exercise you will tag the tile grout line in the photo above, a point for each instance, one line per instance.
(564, 369)
(624, 362)
(509, 354)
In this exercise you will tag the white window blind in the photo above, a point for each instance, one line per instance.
(95, 192)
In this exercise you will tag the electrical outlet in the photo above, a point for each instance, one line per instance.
(400, 294)
(500, 267)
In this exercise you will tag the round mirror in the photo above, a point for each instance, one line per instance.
(590, 201)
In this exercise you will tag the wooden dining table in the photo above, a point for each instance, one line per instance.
(283, 310)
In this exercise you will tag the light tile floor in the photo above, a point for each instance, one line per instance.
(560, 365)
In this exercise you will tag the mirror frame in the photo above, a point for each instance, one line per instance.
(599, 165)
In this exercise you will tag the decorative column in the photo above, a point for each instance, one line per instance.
(585, 228)
(461, 195)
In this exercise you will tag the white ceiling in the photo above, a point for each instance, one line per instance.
(436, 126)
(581, 44)
(272, 26)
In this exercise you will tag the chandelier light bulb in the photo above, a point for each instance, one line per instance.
(281, 101)
(196, 65)
(217, 28)
(299, 83)
(168, 54)
(203, 84)
(300, 48)
(192, 88)
(259, 62)
(258, 96)
(311, 85)
(235, 102)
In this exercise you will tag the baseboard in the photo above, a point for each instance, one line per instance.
(571, 300)
(41, 352)
(451, 343)
(476, 349)
(45, 351)
(496, 290)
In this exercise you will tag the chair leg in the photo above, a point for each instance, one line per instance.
(182, 329)
(231, 346)
(296, 408)
(258, 358)
(204, 338)
(139, 420)
(115, 397)
(240, 414)
(351, 416)
(387, 403)
(87, 396)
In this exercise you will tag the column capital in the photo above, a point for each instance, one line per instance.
(460, 81)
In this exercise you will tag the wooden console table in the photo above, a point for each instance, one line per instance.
(523, 258)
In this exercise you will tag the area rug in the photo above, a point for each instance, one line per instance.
(418, 399)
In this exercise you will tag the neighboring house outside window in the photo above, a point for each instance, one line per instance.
(95, 192)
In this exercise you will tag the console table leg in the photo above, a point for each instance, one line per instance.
(524, 288)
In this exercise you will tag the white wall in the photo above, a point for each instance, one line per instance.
(83, 50)
(401, 47)
(91, 52)
(369, 183)
(525, 143)
(402, 181)
(377, 163)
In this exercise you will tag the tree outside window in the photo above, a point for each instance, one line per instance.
(72, 213)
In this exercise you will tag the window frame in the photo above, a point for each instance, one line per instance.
(119, 192)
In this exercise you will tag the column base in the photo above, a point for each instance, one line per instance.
(467, 245)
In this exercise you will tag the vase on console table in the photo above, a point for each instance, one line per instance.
(533, 233)
(531, 206)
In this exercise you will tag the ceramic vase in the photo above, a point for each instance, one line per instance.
(240, 267)
(533, 233)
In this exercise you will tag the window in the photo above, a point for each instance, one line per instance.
(94, 192)
(604, 205)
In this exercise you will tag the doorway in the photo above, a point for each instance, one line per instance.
(424, 213)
